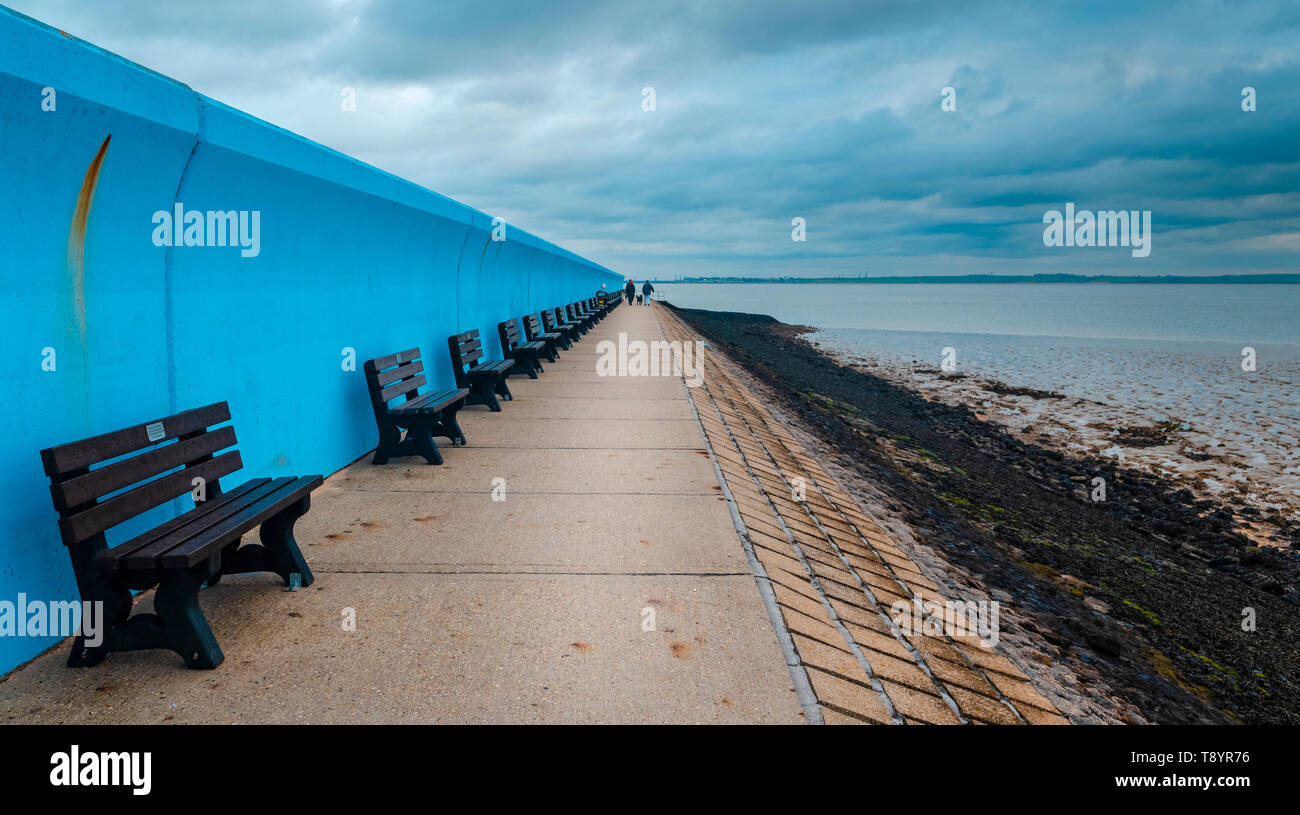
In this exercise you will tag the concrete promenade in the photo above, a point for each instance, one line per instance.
(528, 609)
(627, 500)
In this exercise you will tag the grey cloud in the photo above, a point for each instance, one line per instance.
(770, 110)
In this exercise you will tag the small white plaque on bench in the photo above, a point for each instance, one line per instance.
(155, 431)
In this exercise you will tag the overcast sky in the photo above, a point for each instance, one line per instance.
(767, 111)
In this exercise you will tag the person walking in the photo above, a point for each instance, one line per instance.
(647, 290)
(630, 290)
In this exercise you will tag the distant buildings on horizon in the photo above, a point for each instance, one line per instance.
(991, 278)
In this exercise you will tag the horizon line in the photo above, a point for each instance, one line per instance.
(1246, 278)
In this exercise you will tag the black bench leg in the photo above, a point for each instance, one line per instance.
(483, 395)
(140, 632)
(422, 438)
(183, 623)
(112, 624)
(83, 656)
(503, 390)
(525, 364)
(282, 553)
(390, 444)
(114, 632)
(449, 427)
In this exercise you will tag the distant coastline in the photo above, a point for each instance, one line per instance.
(989, 278)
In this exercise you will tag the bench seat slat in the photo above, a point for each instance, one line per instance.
(491, 367)
(146, 557)
(429, 403)
(204, 545)
(110, 559)
(411, 405)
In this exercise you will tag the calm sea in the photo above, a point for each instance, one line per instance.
(1162, 351)
(1236, 314)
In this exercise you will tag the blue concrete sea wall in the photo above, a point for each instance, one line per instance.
(350, 258)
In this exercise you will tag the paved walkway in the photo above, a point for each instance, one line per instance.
(626, 500)
(473, 610)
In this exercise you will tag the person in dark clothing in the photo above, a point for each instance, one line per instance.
(630, 291)
(647, 290)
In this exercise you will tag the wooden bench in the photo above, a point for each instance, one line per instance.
(526, 353)
(589, 308)
(554, 321)
(576, 310)
(570, 314)
(608, 300)
(485, 379)
(553, 340)
(422, 416)
(101, 482)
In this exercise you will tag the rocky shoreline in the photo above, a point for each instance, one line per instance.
(1150, 605)
(1258, 485)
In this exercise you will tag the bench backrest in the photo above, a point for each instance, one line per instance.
(100, 482)
(569, 313)
(552, 318)
(510, 333)
(466, 351)
(532, 326)
(400, 374)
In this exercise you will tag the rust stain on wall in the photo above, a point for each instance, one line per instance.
(77, 236)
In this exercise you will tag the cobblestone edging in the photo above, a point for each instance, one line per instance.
(833, 574)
